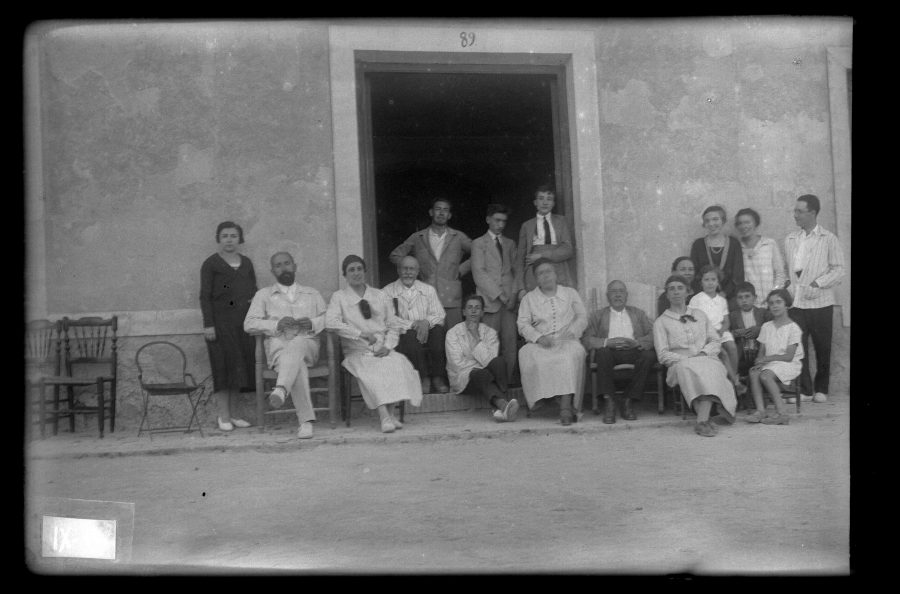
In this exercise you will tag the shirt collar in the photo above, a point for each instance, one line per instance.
(493, 237)
(671, 314)
(279, 288)
(353, 298)
(561, 294)
(416, 286)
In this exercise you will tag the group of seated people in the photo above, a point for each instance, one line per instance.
(418, 334)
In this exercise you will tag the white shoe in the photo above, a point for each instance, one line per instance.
(397, 424)
(512, 407)
(305, 431)
(806, 397)
(239, 423)
(791, 400)
(226, 426)
(387, 426)
(277, 397)
(820, 397)
(499, 416)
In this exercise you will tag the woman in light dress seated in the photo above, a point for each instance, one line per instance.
(780, 356)
(688, 345)
(365, 321)
(552, 319)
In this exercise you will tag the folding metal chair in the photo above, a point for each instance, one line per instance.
(162, 373)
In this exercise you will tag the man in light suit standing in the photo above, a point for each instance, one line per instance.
(493, 256)
(440, 250)
(546, 236)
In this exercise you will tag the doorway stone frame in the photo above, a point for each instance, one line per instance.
(572, 48)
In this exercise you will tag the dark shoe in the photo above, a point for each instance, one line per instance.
(566, 417)
(776, 419)
(609, 413)
(439, 385)
(755, 417)
(704, 429)
(628, 413)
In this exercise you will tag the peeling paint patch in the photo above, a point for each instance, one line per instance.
(752, 72)
(629, 107)
(193, 165)
(718, 44)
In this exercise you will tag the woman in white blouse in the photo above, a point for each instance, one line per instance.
(552, 319)
(763, 264)
(473, 364)
(365, 321)
(688, 345)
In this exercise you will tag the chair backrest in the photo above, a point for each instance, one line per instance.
(640, 295)
(42, 347)
(90, 340)
(161, 362)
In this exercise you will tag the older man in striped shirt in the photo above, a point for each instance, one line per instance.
(815, 264)
(422, 329)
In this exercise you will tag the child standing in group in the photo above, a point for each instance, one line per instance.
(745, 323)
(779, 357)
(715, 306)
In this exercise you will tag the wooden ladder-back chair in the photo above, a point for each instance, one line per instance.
(43, 352)
(162, 373)
(644, 297)
(90, 344)
(327, 367)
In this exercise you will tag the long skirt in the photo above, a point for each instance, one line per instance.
(383, 380)
(698, 376)
(548, 372)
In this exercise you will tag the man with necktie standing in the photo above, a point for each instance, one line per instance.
(493, 258)
(546, 236)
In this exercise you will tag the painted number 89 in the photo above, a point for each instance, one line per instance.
(466, 39)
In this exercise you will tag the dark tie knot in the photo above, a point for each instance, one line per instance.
(365, 309)
(687, 318)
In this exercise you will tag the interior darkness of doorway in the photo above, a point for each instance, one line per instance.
(474, 138)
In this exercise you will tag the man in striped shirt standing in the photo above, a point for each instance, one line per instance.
(815, 264)
(422, 329)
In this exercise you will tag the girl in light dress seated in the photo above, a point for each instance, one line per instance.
(780, 357)
(710, 301)
(364, 319)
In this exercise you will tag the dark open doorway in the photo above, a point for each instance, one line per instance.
(473, 137)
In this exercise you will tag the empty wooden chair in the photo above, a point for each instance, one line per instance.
(90, 359)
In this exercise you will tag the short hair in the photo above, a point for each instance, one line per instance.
(711, 268)
(495, 208)
(610, 284)
(288, 254)
(784, 294)
(812, 202)
(548, 188)
(715, 208)
(676, 278)
(230, 225)
(473, 297)
(350, 260)
(400, 261)
(679, 260)
(745, 287)
(441, 199)
(540, 261)
(749, 212)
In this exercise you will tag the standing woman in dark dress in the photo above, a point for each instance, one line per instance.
(719, 250)
(227, 285)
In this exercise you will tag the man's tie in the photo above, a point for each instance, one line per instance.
(546, 232)
(499, 247)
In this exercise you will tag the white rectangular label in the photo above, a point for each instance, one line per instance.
(78, 537)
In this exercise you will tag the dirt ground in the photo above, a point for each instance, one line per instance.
(754, 499)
